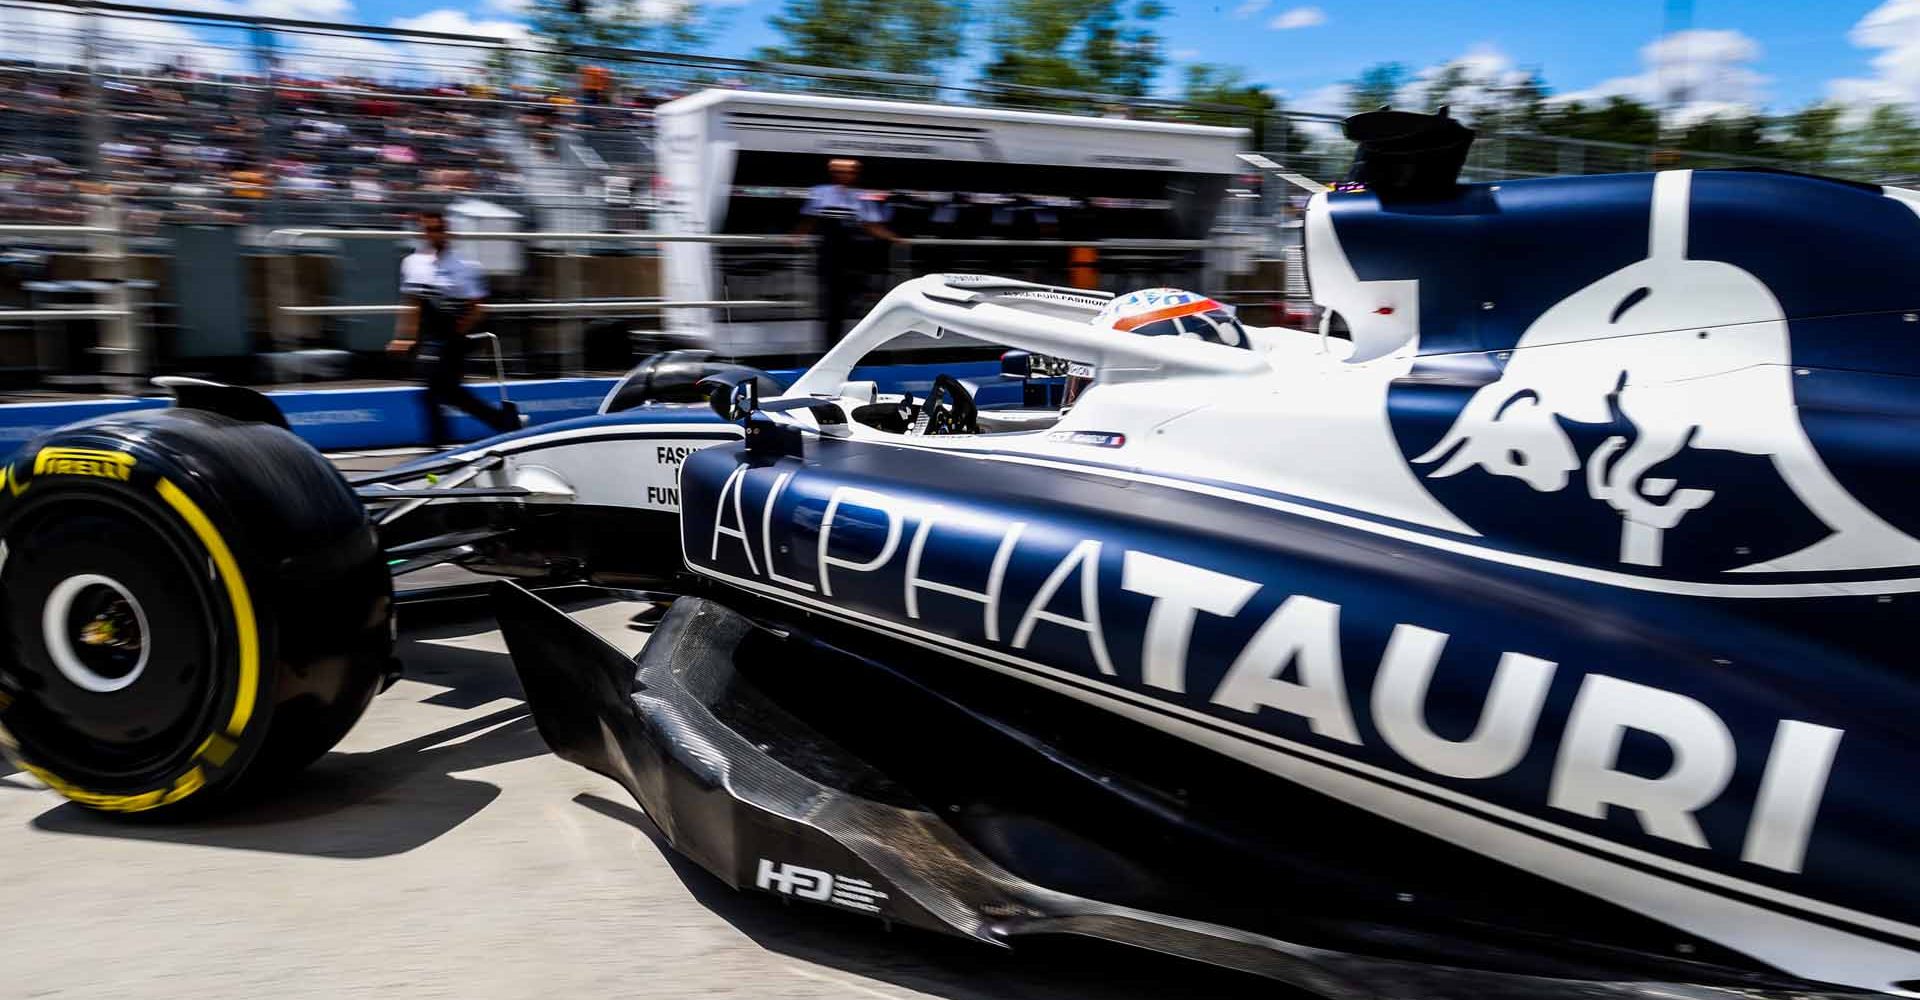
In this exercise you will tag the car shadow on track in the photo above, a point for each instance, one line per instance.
(347, 805)
(1040, 968)
(374, 803)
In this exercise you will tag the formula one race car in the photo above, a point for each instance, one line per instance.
(1536, 626)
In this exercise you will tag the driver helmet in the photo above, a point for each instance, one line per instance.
(1162, 312)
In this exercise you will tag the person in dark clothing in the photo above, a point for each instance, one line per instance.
(841, 216)
(448, 296)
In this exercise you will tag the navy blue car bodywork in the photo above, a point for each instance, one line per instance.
(1633, 710)
(1745, 664)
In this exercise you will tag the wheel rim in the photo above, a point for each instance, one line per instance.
(96, 632)
(114, 649)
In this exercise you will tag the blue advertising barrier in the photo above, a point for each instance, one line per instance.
(331, 419)
(391, 416)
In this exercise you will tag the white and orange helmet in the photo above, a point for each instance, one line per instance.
(1171, 312)
(1163, 312)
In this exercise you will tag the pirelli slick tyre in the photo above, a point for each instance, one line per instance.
(190, 605)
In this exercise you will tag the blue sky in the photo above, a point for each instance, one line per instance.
(1574, 45)
(1775, 54)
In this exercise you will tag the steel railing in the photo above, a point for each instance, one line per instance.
(51, 315)
(566, 236)
(46, 229)
(572, 306)
(123, 343)
(621, 306)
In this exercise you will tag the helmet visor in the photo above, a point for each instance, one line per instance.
(1217, 325)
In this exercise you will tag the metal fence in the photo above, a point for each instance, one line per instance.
(202, 117)
(205, 117)
(181, 120)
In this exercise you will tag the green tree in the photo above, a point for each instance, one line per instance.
(1122, 51)
(1812, 134)
(1225, 97)
(503, 67)
(1618, 119)
(1742, 135)
(569, 30)
(1099, 46)
(1888, 145)
(1445, 87)
(887, 36)
(1519, 106)
(1377, 86)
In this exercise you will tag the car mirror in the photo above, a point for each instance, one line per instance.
(743, 400)
(1016, 364)
(731, 400)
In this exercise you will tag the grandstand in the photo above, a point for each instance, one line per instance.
(336, 151)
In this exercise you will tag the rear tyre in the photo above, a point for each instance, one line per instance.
(190, 606)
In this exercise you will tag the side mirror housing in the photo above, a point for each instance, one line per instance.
(1016, 364)
(731, 400)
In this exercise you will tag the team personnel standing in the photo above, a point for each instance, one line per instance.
(448, 295)
(840, 216)
(595, 81)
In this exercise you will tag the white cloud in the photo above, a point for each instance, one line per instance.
(1477, 79)
(300, 10)
(51, 36)
(337, 11)
(444, 60)
(655, 11)
(1298, 17)
(1691, 75)
(1185, 55)
(211, 6)
(456, 22)
(306, 53)
(1248, 8)
(54, 36)
(1893, 28)
(311, 55)
(1328, 100)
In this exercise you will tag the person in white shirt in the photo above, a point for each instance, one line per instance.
(366, 185)
(448, 295)
(840, 215)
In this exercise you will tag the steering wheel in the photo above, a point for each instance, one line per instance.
(949, 408)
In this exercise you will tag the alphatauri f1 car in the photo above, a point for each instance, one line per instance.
(1537, 626)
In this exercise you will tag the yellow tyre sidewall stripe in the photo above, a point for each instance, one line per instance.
(182, 787)
(246, 631)
(11, 484)
(218, 746)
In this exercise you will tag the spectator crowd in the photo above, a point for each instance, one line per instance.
(181, 147)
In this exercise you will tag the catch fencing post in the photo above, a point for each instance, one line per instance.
(121, 342)
(97, 117)
(572, 329)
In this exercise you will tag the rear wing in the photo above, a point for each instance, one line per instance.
(1044, 319)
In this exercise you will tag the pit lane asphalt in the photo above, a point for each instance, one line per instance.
(442, 851)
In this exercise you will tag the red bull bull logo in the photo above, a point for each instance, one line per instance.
(1681, 356)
